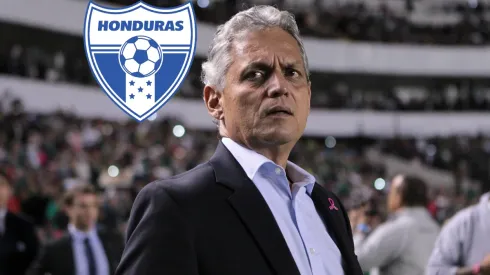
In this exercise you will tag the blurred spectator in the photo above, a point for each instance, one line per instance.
(403, 244)
(86, 249)
(18, 241)
(463, 247)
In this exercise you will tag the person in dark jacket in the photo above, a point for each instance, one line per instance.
(85, 249)
(18, 240)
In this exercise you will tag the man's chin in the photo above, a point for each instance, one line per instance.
(278, 137)
(85, 226)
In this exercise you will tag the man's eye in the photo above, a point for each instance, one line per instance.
(291, 73)
(255, 75)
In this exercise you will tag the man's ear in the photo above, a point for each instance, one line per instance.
(309, 88)
(309, 96)
(212, 99)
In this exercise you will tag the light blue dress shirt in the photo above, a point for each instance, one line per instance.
(312, 248)
(81, 262)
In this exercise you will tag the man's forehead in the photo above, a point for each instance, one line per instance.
(267, 57)
(85, 197)
(261, 43)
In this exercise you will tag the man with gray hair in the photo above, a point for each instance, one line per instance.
(248, 210)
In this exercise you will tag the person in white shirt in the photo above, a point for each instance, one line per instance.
(402, 245)
(463, 247)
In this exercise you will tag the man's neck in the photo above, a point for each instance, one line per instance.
(409, 208)
(81, 229)
(279, 154)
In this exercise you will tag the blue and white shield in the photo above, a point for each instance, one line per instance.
(140, 54)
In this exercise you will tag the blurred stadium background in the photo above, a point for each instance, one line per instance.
(398, 86)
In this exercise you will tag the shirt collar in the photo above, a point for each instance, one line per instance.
(298, 174)
(485, 201)
(81, 235)
(249, 160)
(252, 161)
(412, 211)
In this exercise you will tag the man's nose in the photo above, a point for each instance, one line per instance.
(277, 85)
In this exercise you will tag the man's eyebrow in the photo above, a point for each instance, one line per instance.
(257, 65)
(293, 64)
(266, 65)
(291, 61)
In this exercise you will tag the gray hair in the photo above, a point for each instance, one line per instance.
(255, 18)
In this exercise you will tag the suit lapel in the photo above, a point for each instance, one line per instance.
(7, 237)
(66, 253)
(253, 210)
(335, 223)
(104, 239)
(7, 226)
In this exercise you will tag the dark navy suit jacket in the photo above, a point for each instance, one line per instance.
(213, 220)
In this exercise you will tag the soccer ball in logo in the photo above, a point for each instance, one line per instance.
(140, 56)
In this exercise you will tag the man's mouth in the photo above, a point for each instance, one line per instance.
(279, 110)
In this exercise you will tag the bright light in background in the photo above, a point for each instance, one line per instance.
(203, 3)
(153, 117)
(113, 171)
(330, 142)
(178, 131)
(379, 184)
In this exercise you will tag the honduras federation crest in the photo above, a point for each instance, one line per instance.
(140, 54)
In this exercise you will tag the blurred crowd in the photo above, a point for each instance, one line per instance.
(332, 91)
(43, 155)
(360, 21)
(466, 157)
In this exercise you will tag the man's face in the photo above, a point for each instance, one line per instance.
(84, 211)
(394, 198)
(266, 99)
(5, 193)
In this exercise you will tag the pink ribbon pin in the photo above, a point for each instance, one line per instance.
(332, 204)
